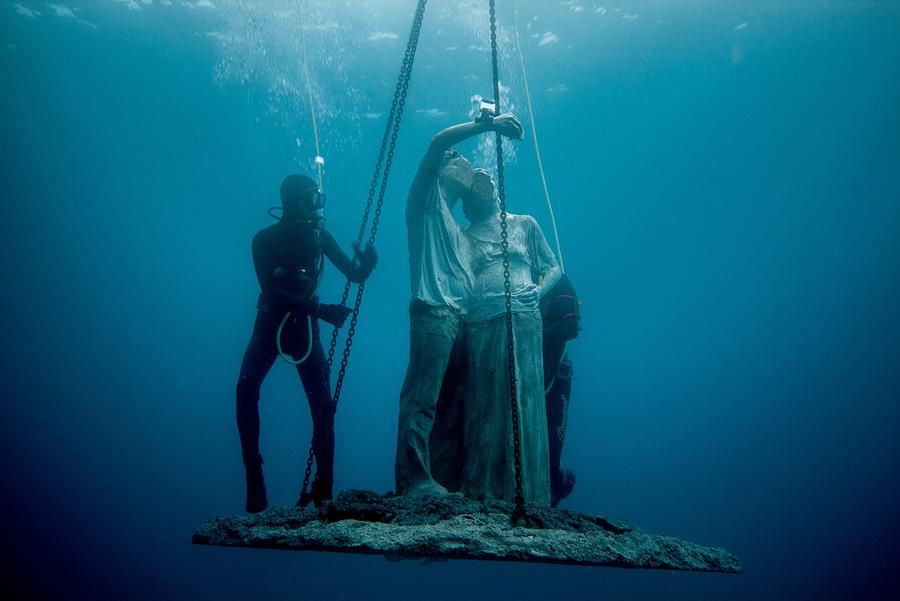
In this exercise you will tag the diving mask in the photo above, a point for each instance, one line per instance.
(316, 200)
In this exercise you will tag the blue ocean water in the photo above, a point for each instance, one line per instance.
(726, 178)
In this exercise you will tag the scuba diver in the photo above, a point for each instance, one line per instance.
(289, 258)
(561, 314)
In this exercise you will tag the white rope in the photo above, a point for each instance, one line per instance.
(537, 152)
(534, 137)
(320, 161)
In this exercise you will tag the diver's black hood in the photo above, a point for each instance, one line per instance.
(294, 188)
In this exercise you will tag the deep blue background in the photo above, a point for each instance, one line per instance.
(729, 204)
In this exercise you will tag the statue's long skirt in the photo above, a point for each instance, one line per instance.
(488, 464)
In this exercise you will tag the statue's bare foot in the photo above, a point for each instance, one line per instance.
(433, 489)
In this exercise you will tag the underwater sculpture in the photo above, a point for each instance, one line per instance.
(442, 526)
(442, 287)
(457, 280)
(522, 255)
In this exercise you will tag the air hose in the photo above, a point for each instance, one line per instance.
(285, 356)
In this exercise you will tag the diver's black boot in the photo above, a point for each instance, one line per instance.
(561, 486)
(256, 488)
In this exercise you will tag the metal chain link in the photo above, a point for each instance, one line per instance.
(519, 513)
(398, 89)
(385, 160)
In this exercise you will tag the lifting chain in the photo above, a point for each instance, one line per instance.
(385, 159)
(519, 514)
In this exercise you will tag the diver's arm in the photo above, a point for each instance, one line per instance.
(354, 273)
(332, 314)
(507, 124)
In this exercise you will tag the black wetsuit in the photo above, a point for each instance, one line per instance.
(287, 257)
(561, 322)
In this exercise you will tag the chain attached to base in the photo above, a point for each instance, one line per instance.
(385, 159)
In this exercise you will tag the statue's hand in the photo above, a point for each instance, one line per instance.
(508, 125)
(529, 296)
